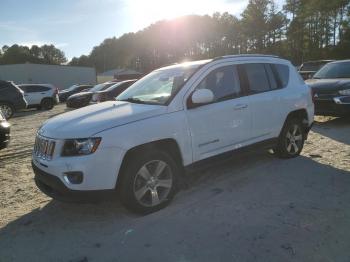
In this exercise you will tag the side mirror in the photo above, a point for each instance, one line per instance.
(202, 96)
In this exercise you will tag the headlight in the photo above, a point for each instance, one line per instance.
(81, 146)
(345, 92)
(95, 97)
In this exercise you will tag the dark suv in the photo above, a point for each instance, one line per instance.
(11, 98)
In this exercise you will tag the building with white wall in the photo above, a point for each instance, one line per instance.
(61, 76)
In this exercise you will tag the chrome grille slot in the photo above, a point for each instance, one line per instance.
(44, 148)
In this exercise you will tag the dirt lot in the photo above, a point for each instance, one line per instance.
(252, 207)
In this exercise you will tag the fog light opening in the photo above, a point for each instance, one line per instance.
(73, 177)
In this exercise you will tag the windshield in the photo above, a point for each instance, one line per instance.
(312, 66)
(334, 70)
(101, 87)
(71, 88)
(113, 86)
(157, 87)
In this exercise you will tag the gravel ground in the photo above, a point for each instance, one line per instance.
(251, 207)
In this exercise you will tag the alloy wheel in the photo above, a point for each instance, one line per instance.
(6, 111)
(153, 183)
(294, 139)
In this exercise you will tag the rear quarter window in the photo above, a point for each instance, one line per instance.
(282, 74)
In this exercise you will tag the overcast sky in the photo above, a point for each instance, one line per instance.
(75, 26)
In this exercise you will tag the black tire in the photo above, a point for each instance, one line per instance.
(291, 140)
(46, 104)
(131, 181)
(7, 110)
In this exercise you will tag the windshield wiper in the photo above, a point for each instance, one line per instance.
(138, 101)
(132, 100)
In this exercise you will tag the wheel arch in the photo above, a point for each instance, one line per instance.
(299, 114)
(46, 98)
(168, 145)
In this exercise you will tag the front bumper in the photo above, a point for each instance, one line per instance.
(334, 106)
(100, 169)
(53, 187)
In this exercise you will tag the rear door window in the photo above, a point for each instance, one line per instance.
(257, 78)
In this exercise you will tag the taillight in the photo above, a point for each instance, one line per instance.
(312, 93)
(95, 98)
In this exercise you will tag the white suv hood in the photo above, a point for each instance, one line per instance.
(87, 121)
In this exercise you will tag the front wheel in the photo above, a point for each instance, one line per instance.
(148, 181)
(7, 110)
(291, 140)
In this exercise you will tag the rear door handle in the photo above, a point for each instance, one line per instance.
(240, 106)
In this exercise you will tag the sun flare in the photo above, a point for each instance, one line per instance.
(143, 12)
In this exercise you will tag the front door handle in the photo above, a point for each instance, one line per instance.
(240, 106)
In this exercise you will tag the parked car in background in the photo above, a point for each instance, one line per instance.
(331, 89)
(308, 69)
(40, 96)
(171, 118)
(11, 98)
(64, 94)
(111, 92)
(4, 131)
(83, 98)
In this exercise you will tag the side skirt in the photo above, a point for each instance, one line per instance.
(266, 144)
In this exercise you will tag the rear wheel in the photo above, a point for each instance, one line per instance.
(291, 140)
(46, 104)
(148, 181)
(7, 110)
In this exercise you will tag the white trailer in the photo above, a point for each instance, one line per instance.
(61, 76)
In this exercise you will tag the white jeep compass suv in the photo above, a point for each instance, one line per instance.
(171, 118)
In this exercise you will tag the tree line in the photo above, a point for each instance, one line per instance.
(300, 30)
(45, 54)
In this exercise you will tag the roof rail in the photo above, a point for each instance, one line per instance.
(243, 55)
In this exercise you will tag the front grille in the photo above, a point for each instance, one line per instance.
(44, 148)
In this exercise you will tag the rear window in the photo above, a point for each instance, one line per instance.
(81, 88)
(282, 73)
